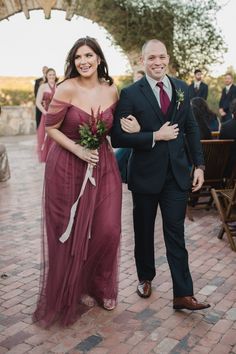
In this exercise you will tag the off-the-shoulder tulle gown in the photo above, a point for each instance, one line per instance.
(44, 142)
(87, 263)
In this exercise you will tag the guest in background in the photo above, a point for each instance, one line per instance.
(198, 88)
(138, 75)
(4, 165)
(37, 83)
(206, 119)
(228, 131)
(227, 96)
(123, 154)
(44, 97)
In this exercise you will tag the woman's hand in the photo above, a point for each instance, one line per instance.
(89, 156)
(130, 124)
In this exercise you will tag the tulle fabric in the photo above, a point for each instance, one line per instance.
(44, 142)
(87, 263)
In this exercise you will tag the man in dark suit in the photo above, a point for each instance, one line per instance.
(228, 131)
(198, 88)
(152, 117)
(37, 83)
(227, 96)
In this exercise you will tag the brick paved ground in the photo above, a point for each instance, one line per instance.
(137, 326)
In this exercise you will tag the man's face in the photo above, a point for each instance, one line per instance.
(198, 76)
(155, 60)
(228, 80)
(44, 70)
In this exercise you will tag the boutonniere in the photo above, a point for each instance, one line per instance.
(180, 97)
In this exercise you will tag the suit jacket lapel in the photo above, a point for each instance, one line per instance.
(148, 93)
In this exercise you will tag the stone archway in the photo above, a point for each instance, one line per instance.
(128, 26)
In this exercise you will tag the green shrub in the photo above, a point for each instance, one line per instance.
(16, 97)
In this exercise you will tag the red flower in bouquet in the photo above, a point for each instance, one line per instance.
(92, 133)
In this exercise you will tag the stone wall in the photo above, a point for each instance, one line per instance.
(17, 120)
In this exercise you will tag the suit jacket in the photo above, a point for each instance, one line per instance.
(37, 83)
(148, 165)
(202, 92)
(227, 98)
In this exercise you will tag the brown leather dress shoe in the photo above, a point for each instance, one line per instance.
(144, 288)
(188, 303)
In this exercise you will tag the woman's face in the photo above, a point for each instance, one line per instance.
(51, 76)
(86, 61)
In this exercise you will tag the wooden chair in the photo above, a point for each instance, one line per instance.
(225, 201)
(216, 155)
(215, 134)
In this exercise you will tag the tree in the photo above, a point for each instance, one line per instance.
(186, 26)
(197, 41)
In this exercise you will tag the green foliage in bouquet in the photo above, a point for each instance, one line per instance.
(92, 134)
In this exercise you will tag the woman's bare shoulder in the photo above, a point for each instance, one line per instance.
(112, 90)
(65, 90)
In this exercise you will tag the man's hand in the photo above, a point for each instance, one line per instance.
(130, 124)
(167, 132)
(198, 179)
(222, 112)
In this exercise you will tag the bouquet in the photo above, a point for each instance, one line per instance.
(92, 133)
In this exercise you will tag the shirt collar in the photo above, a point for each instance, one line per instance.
(228, 86)
(153, 83)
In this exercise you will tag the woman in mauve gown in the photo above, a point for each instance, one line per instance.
(82, 195)
(43, 99)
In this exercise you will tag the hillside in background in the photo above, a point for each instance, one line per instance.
(16, 91)
(16, 83)
(27, 83)
(19, 91)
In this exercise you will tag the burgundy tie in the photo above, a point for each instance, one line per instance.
(164, 98)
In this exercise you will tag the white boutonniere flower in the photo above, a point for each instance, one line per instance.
(180, 97)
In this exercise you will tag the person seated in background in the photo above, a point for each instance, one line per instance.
(206, 119)
(228, 131)
(4, 164)
(198, 88)
(123, 154)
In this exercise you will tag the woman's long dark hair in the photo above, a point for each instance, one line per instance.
(70, 68)
(201, 108)
(202, 114)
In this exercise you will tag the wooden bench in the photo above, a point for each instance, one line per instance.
(216, 155)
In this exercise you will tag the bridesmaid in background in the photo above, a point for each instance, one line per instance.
(80, 269)
(43, 98)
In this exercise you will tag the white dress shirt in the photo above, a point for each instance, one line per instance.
(156, 90)
(227, 88)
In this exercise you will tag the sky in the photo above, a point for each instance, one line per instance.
(27, 45)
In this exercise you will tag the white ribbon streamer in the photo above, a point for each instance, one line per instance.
(88, 177)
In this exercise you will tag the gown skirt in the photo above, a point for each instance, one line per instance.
(87, 262)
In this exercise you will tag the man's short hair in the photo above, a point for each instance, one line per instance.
(197, 71)
(149, 41)
(229, 74)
